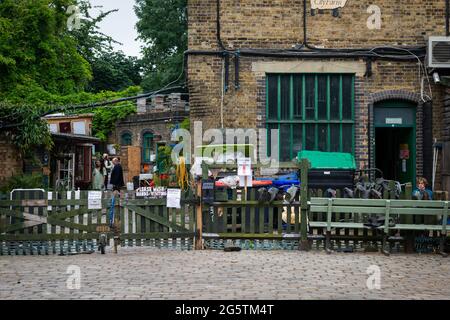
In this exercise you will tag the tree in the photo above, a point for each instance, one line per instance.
(115, 71)
(91, 43)
(163, 26)
(36, 50)
(111, 70)
(43, 64)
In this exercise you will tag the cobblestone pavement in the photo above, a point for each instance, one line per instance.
(148, 273)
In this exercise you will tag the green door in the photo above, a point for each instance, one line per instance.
(395, 140)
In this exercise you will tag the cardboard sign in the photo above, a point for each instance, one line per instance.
(94, 200)
(244, 167)
(174, 198)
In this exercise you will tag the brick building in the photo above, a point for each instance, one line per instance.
(347, 79)
(12, 163)
(141, 134)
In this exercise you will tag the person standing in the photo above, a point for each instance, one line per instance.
(98, 176)
(108, 167)
(117, 175)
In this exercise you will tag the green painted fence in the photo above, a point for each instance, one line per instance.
(38, 222)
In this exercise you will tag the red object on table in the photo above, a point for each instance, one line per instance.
(255, 183)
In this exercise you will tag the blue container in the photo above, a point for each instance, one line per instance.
(283, 181)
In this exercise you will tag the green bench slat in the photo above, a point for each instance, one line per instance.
(418, 211)
(385, 208)
(416, 227)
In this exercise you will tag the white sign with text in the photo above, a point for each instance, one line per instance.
(94, 200)
(244, 167)
(174, 198)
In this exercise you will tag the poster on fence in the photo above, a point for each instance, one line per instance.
(151, 193)
(174, 198)
(94, 200)
(245, 181)
(244, 167)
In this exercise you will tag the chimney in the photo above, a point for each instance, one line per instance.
(141, 105)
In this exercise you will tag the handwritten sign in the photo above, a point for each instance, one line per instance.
(94, 200)
(328, 4)
(151, 192)
(174, 198)
(244, 167)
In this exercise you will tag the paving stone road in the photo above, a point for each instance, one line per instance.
(148, 273)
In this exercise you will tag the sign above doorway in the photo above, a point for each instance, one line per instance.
(327, 4)
(394, 121)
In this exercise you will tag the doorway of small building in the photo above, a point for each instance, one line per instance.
(395, 139)
(395, 153)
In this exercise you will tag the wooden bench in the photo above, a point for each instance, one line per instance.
(381, 208)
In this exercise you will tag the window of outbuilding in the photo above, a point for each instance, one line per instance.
(126, 139)
(147, 147)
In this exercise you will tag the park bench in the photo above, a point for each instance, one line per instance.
(360, 209)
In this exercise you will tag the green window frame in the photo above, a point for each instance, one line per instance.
(312, 111)
(147, 147)
(126, 139)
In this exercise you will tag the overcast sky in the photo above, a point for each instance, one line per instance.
(120, 25)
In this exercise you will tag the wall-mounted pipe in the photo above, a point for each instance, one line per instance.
(227, 71)
(308, 54)
(447, 18)
(236, 70)
(219, 39)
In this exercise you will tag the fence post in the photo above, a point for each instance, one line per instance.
(116, 223)
(199, 210)
(409, 240)
(304, 168)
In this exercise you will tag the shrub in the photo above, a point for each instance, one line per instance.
(24, 181)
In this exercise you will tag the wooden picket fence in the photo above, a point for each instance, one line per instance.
(279, 225)
(39, 222)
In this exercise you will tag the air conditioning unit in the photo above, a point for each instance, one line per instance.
(438, 55)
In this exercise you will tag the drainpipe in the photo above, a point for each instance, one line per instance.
(447, 18)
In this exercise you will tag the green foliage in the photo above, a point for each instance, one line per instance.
(40, 57)
(115, 71)
(32, 131)
(164, 159)
(111, 71)
(163, 26)
(43, 65)
(91, 43)
(186, 124)
(36, 49)
(105, 119)
(24, 181)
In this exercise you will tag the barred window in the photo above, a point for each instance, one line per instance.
(312, 112)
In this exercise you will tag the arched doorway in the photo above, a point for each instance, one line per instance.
(395, 139)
